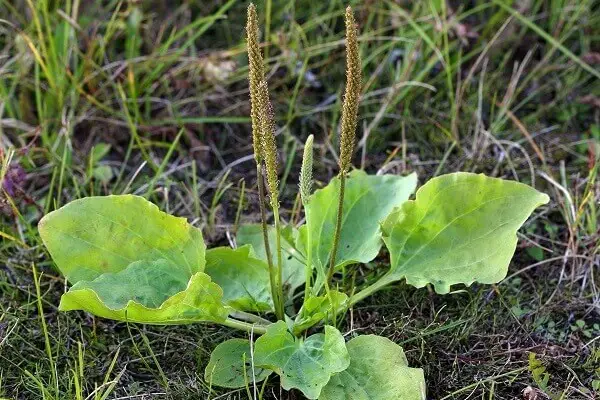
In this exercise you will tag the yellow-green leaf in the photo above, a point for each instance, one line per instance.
(293, 261)
(319, 308)
(461, 228)
(131, 262)
(243, 278)
(231, 366)
(307, 364)
(378, 371)
(149, 292)
(95, 235)
(368, 200)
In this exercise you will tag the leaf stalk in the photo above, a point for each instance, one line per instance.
(245, 326)
(369, 290)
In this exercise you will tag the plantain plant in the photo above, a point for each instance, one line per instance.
(128, 261)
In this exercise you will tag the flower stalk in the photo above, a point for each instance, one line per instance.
(269, 149)
(348, 126)
(259, 110)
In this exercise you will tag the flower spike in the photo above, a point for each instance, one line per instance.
(255, 77)
(306, 170)
(265, 152)
(352, 95)
(269, 145)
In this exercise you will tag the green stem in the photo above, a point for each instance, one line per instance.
(263, 216)
(244, 316)
(308, 265)
(369, 290)
(279, 310)
(338, 229)
(363, 294)
(245, 326)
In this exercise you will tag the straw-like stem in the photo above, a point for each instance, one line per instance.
(348, 125)
(269, 149)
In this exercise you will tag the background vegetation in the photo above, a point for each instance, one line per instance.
(151, 98)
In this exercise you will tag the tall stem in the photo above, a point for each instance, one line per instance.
(279, 309)
(265, 229)
(348, 125)
(308, 265)
(338, 229)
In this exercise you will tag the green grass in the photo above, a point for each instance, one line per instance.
(145, 98)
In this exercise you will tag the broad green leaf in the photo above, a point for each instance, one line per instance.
(461, 228)
(243, 278)
(150, 292)
(95, 235)
(307, 364)
(293, 274)
(230, 366)
(378, 371)
(131, 262)
(148, 283)
(319, 308)
(368, 200)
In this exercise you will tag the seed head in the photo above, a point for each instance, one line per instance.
(306, 171)
(352, 95)
(266, 117)
(255, 76)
